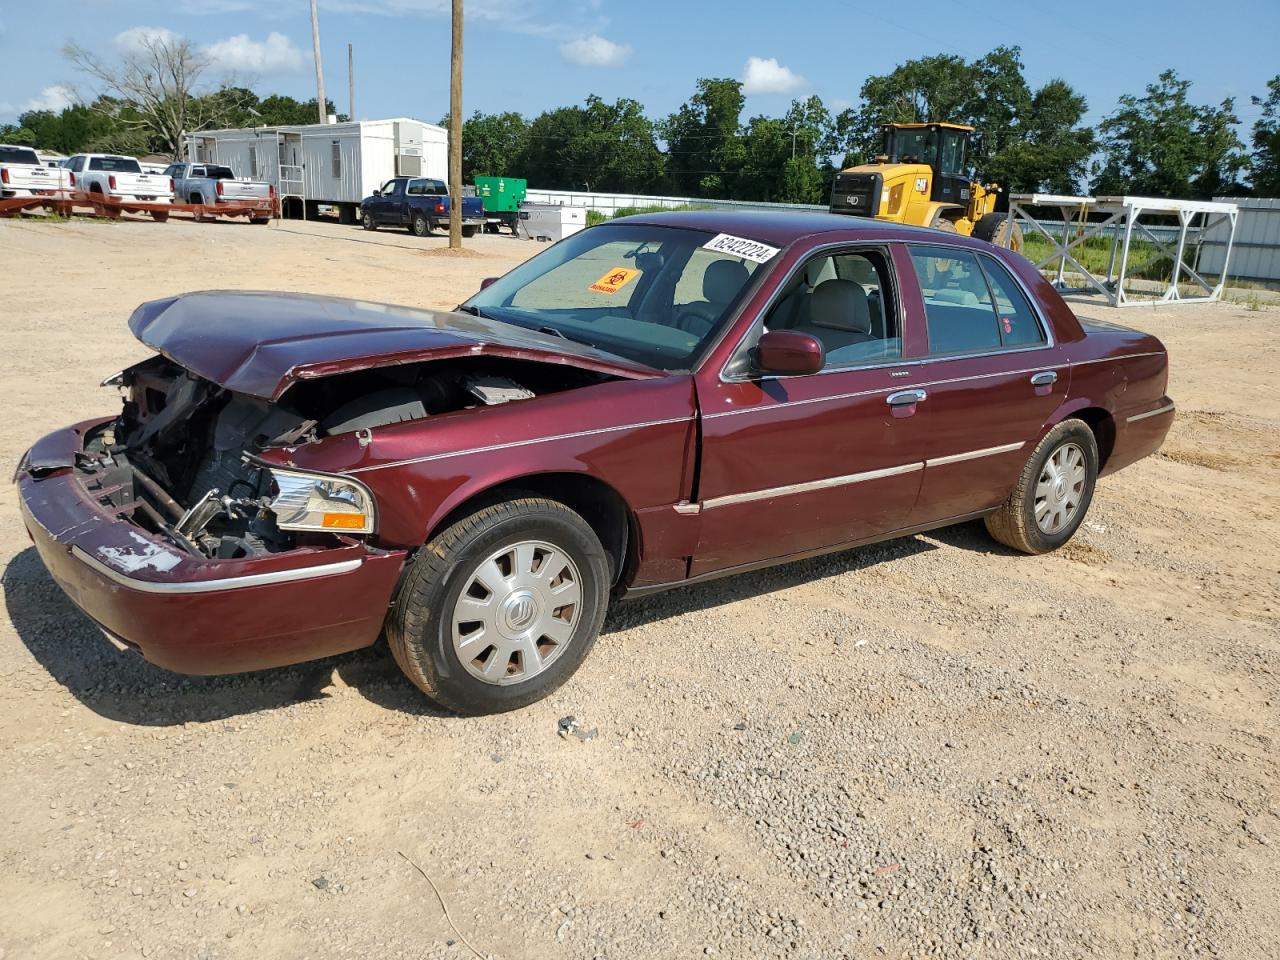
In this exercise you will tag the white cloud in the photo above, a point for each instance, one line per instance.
(56, 98)
(595, 51)
(274, 55)
(137, 38)
(767, 75)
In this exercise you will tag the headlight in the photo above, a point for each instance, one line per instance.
(321, 501)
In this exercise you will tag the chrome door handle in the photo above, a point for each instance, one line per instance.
(904, 397)
(1044, 378)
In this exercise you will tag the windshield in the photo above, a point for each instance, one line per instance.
(914, 146)
(18, 155)
(115, 164)
(654, 295)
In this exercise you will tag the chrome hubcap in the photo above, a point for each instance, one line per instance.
(1060, 488)
(517, 612)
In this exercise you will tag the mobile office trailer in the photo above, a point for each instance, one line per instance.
(329, 164)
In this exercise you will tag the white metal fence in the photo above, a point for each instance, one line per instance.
(610, 203)
(1255, 252)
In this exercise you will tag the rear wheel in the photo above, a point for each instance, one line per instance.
(420, 226)
(1053, 493)
(468, 232)
(999, 228)
(159, 216)
(501, 607)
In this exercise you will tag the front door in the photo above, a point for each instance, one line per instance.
(797, 464)
(990, 377)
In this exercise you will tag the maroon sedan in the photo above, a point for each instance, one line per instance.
(652, 402)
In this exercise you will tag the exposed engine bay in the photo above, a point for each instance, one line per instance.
(181, 459)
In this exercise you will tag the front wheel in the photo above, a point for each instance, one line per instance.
(501, 607)
(420, 226)
(368, 222)
(1000, 229)
(1053, 493)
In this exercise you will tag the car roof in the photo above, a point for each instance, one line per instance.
(784, 227)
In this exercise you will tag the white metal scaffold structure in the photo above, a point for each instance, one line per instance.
(1121, 218)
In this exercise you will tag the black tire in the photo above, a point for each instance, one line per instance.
(159, 216)
(469, 232)
(367, 221)
(1014, 523)
(999, 229)
(420, 225)
(260, 220)
(420, 625)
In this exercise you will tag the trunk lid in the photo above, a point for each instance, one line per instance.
(261, 343)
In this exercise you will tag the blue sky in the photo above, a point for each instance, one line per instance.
(528, 55)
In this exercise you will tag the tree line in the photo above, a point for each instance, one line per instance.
(1159, 142)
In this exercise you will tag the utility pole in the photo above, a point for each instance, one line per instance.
(455, 131)
(315, 47)
(351, 84)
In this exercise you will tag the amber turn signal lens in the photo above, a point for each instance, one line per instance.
(343, 521)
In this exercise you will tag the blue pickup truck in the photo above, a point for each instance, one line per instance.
(419, 203)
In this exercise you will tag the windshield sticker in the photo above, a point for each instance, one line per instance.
(739, 247)
(614, 280)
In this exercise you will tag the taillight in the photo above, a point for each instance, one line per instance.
(219, 188)
(271, 191)
(172, 188)
(4, 176)
(111, 181)
(73, 179)
(439, 208)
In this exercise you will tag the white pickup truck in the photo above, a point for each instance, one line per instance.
(211, 184)
(120, 178)
(23, 175)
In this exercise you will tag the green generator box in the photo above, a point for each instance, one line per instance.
(501, 197)
(501, 194)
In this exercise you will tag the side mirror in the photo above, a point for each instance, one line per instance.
(377, 193)
(488, 282)
(789, 353)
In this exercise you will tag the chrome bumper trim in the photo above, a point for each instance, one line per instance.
(1168, 407)
(213, 586)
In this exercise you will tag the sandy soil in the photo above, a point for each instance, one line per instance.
(928, 748)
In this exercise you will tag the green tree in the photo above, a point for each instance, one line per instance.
(598, 146)
(1264, 165)
(1161, 144)
(492, 144)
(1052, 151)
(705, 148)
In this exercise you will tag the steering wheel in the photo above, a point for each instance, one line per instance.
(696, 318)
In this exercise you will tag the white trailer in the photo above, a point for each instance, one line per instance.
(331, 164)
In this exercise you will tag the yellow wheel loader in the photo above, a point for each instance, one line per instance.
(921, 179)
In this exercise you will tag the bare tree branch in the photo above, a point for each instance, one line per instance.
(159, 79)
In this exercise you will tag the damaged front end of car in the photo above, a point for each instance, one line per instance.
(182, 461)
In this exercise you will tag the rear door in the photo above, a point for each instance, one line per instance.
(801, 463)
(991, 374)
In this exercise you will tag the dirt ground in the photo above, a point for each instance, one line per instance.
(933, 747)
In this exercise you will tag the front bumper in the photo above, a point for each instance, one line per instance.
(188, 613)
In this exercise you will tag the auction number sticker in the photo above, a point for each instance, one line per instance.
(741, 247)
(614, 280)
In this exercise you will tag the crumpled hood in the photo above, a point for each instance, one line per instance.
(261, 343)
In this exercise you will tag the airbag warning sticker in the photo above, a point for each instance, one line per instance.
(614, 280)
(740, 247)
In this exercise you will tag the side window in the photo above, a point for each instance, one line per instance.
(172, 170)
(1017, 322)
(845, 302)
(972, 304)
(957, 303)
(388, 188)
(417, 188)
